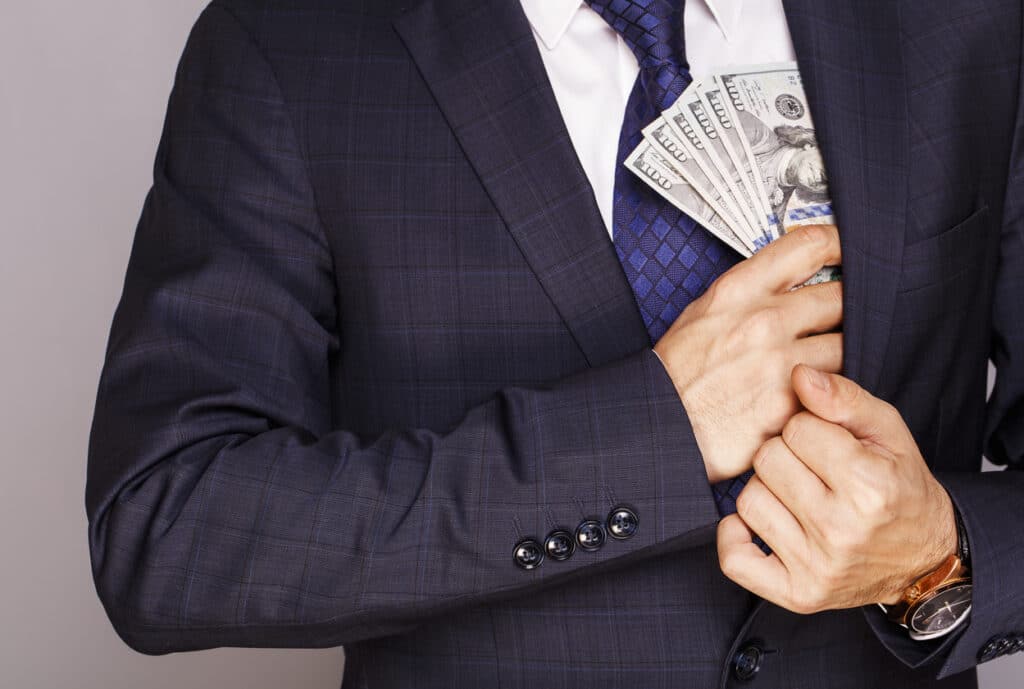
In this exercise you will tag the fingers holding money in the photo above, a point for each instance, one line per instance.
(813, 309)
(793, 258)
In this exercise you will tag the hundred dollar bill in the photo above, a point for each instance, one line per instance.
(658, 174)
(687, 134)
(713, 100)
(770, 108)
(670, 148)
(691, 108)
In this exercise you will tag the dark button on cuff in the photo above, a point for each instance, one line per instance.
(590, 535)
(622, 523)
(995, 647)
(747, 662)
(528, 554)
(559, 545)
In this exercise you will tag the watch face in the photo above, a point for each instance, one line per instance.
(940, 613)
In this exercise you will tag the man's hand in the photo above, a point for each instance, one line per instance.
(845, 501)
(731, 352)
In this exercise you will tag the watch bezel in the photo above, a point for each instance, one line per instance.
(944, 588)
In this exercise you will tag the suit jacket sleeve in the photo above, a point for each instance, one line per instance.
(224, 510)
(991, 503)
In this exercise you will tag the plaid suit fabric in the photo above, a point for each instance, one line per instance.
(362, 349)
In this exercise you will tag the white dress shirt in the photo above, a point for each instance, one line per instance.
(592, 70)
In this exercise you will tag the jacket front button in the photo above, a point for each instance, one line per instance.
(747, 662)
(622, 523)
(590, 535)
(559, 545)
(528, 554)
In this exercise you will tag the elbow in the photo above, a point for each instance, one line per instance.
(134, 624)
(133, 631)
(129, 590)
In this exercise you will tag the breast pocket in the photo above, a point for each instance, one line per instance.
(940, 275)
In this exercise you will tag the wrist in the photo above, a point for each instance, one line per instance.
(941, 543)
(946, 535)
(713, 475)
(939, 600)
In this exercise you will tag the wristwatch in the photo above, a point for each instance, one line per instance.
(940, 601)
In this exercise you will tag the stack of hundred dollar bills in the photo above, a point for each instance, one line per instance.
(738, 153)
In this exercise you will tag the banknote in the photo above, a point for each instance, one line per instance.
(677, 154)
(713, 100)
(659, 174)
(687, 134)
(689, 104)
(739, 153)
(769, 106)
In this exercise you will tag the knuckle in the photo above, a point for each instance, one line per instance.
(870, 502)
(851, 394)
(891, 411)
(746, 502)
(811, 598)
(729, 564)
(770, 406)
(835, 291)
(763, 324)
(723, 290)
(762, 456)
(832, 292)
(816, 236)
(795, 427)
(802, 607)
(877, 503)
(764, 453)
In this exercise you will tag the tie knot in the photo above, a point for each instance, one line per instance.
(653, 29)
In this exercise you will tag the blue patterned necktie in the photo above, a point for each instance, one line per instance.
(668, 259)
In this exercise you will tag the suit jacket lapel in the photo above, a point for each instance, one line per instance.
(482, 64)
(850, 58)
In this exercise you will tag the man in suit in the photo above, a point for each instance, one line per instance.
(378, 378)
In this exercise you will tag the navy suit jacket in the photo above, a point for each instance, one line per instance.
(373, 333)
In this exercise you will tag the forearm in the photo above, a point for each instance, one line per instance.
(205, 532)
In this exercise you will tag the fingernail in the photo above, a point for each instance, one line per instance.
(818, 379)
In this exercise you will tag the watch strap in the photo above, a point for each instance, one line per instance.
(963, 547)
(950, 569)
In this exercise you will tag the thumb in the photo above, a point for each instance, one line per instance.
(839, 400)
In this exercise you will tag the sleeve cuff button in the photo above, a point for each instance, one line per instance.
(528, 554)
(622, 523)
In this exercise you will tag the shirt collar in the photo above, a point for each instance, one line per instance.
(551, 18)
(726, 14)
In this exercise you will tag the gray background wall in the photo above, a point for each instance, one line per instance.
(83, 87)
